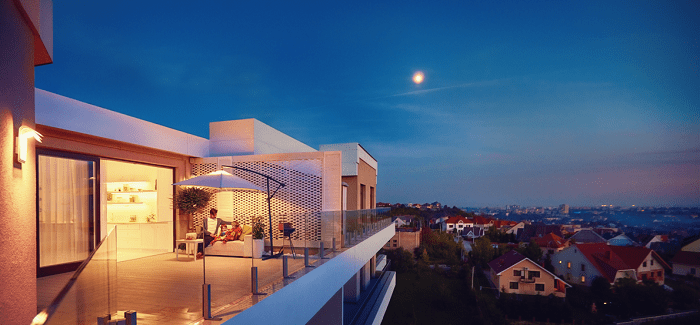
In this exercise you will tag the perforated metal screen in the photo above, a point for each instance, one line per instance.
(300, 202)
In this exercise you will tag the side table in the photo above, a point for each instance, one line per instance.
(188, 242)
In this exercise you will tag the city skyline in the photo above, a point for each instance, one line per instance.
(530, 104)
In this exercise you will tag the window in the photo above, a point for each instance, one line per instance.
(68, 222)
(539, 287)
(516, 272)
(644, 276)
(533, 274)
(652, 262)
(660, 274)
(692, 270)
(388, 244)
(583, 267)
(394, 240)
(644, 264)
(514, 285)
(394, 245)
(583, 279)
(568, 265)
(652, 275)
(362, 197)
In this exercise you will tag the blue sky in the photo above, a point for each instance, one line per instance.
(531, 103)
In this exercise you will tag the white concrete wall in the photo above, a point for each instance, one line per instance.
(250, 137)
(352, 153)
(69, 114)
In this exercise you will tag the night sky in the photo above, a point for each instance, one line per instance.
(583, 103)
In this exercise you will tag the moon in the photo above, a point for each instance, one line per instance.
(418, 77)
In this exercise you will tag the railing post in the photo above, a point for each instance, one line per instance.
(130, 316)
(254, 281)
(206, 301)
(285, 267)
(104, 319)
(306, 257)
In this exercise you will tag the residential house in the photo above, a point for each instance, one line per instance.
(551, 243)
(581, 263)
(686, 263)
(587, 236)
(622, 240)
(472, 232)
(512, 272)
(657, 239)
(457, 223)
(687, 260)
(516, 229)
(408, 239)
(537, 230)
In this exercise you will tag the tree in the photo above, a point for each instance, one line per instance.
(482, 251)
(531, 251)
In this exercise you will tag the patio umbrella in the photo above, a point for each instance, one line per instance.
(220, 179)
(223, 179)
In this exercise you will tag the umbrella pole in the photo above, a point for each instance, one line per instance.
(269, 214)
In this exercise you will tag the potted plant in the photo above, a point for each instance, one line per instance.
(190, 200)
(258, 237)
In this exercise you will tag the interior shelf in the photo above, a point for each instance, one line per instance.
(124, 202)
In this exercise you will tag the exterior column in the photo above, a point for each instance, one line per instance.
(366, 275)
(351, 289)
(17, 181)
(373, 266)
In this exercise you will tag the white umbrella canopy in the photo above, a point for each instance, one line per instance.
(220, 179)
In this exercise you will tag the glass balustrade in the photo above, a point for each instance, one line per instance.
(90, 293)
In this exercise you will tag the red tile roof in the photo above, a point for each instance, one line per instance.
(550, 240)
(610, 259)
(687, 258)
(457, 219)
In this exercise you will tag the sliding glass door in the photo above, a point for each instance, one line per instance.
(66, 214)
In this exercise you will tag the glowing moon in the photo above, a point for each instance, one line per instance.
(418, 77)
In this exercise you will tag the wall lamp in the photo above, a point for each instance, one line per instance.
(25, 133)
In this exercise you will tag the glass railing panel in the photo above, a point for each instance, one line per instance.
(91, 292)
(360, 224)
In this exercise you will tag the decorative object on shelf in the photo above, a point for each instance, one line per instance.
(189, 200)
(151, 217)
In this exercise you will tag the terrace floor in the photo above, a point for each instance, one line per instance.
(163, 290)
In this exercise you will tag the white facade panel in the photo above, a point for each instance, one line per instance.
(69, 114)
(250, 137)
(352, 154)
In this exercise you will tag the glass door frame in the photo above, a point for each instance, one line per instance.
(93, 206)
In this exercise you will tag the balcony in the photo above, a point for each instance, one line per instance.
(163, 290)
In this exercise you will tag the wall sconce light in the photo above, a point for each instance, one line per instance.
(24, 134)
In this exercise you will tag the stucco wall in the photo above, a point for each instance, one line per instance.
(368, 176)
(17, 181)
(680, 269)
(523, 287)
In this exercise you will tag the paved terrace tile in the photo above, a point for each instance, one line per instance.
(163, 290)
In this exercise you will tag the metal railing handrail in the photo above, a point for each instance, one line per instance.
(45, 315)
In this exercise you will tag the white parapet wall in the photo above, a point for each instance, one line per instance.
(69, 114)
(250, 137)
